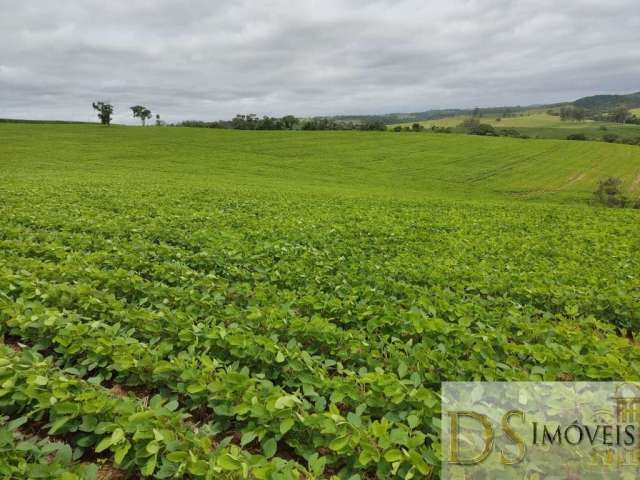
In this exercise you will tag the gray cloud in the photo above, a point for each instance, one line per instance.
(209, 59)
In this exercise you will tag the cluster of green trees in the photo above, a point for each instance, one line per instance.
(331, 124)
(619, 114)
(141, 112)
(610, 194)
(326, 124)
(608, 137)
(247, 122)
(288, 122)
(417, 127)
(201, 124)
(253, 122)
(105, 113)
(614, 138)
(576, 114)
(623, 115)
(577, 136)
(473, 126)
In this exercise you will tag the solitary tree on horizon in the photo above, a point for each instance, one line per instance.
(141, 112)
(105, 110)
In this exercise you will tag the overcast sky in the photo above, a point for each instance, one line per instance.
(209, 59)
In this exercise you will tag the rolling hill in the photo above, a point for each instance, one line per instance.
(429, 166)
(198, 303)
(540, 124)
(604, 103)
(594, 103)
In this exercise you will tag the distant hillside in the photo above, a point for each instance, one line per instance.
(404, 117)
(603, 103)
(372, 163)
(394, 118)
(595, 103)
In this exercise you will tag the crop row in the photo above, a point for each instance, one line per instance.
(300, 418)
(153, 440)
(262, 411)
(309, 335)
(25, 455)
(176, 266)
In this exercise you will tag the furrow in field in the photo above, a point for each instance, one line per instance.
(148, 440)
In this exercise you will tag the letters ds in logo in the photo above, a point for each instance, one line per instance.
(540, 430)
(489, 436)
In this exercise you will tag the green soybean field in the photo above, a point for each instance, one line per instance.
(196, 303)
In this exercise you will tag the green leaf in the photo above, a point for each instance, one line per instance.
(64, 454)
(247, 437)
(413, 421)
(177, 456)
(153, 447)
(393, 455)
(402, 370)
(17, 423)
(58, 424)
(286, 401)
(227, 462)
(196, 388)
(317, 464)
(286, 425)
(121, 452)
(103, 444)
(269, 447)
(418, 462)
(117, 436)
(199, 467)
(339, 443)
(141, 416)
(150, 466)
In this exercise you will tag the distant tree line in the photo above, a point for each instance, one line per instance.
(607, 137)
(417, 127)
(619, 114)
(472, 125)
(288, 122)
(613, 138)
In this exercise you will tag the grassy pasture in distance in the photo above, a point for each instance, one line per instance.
(540, 124)
(530, 119)
(283, 305)
(459, 167)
